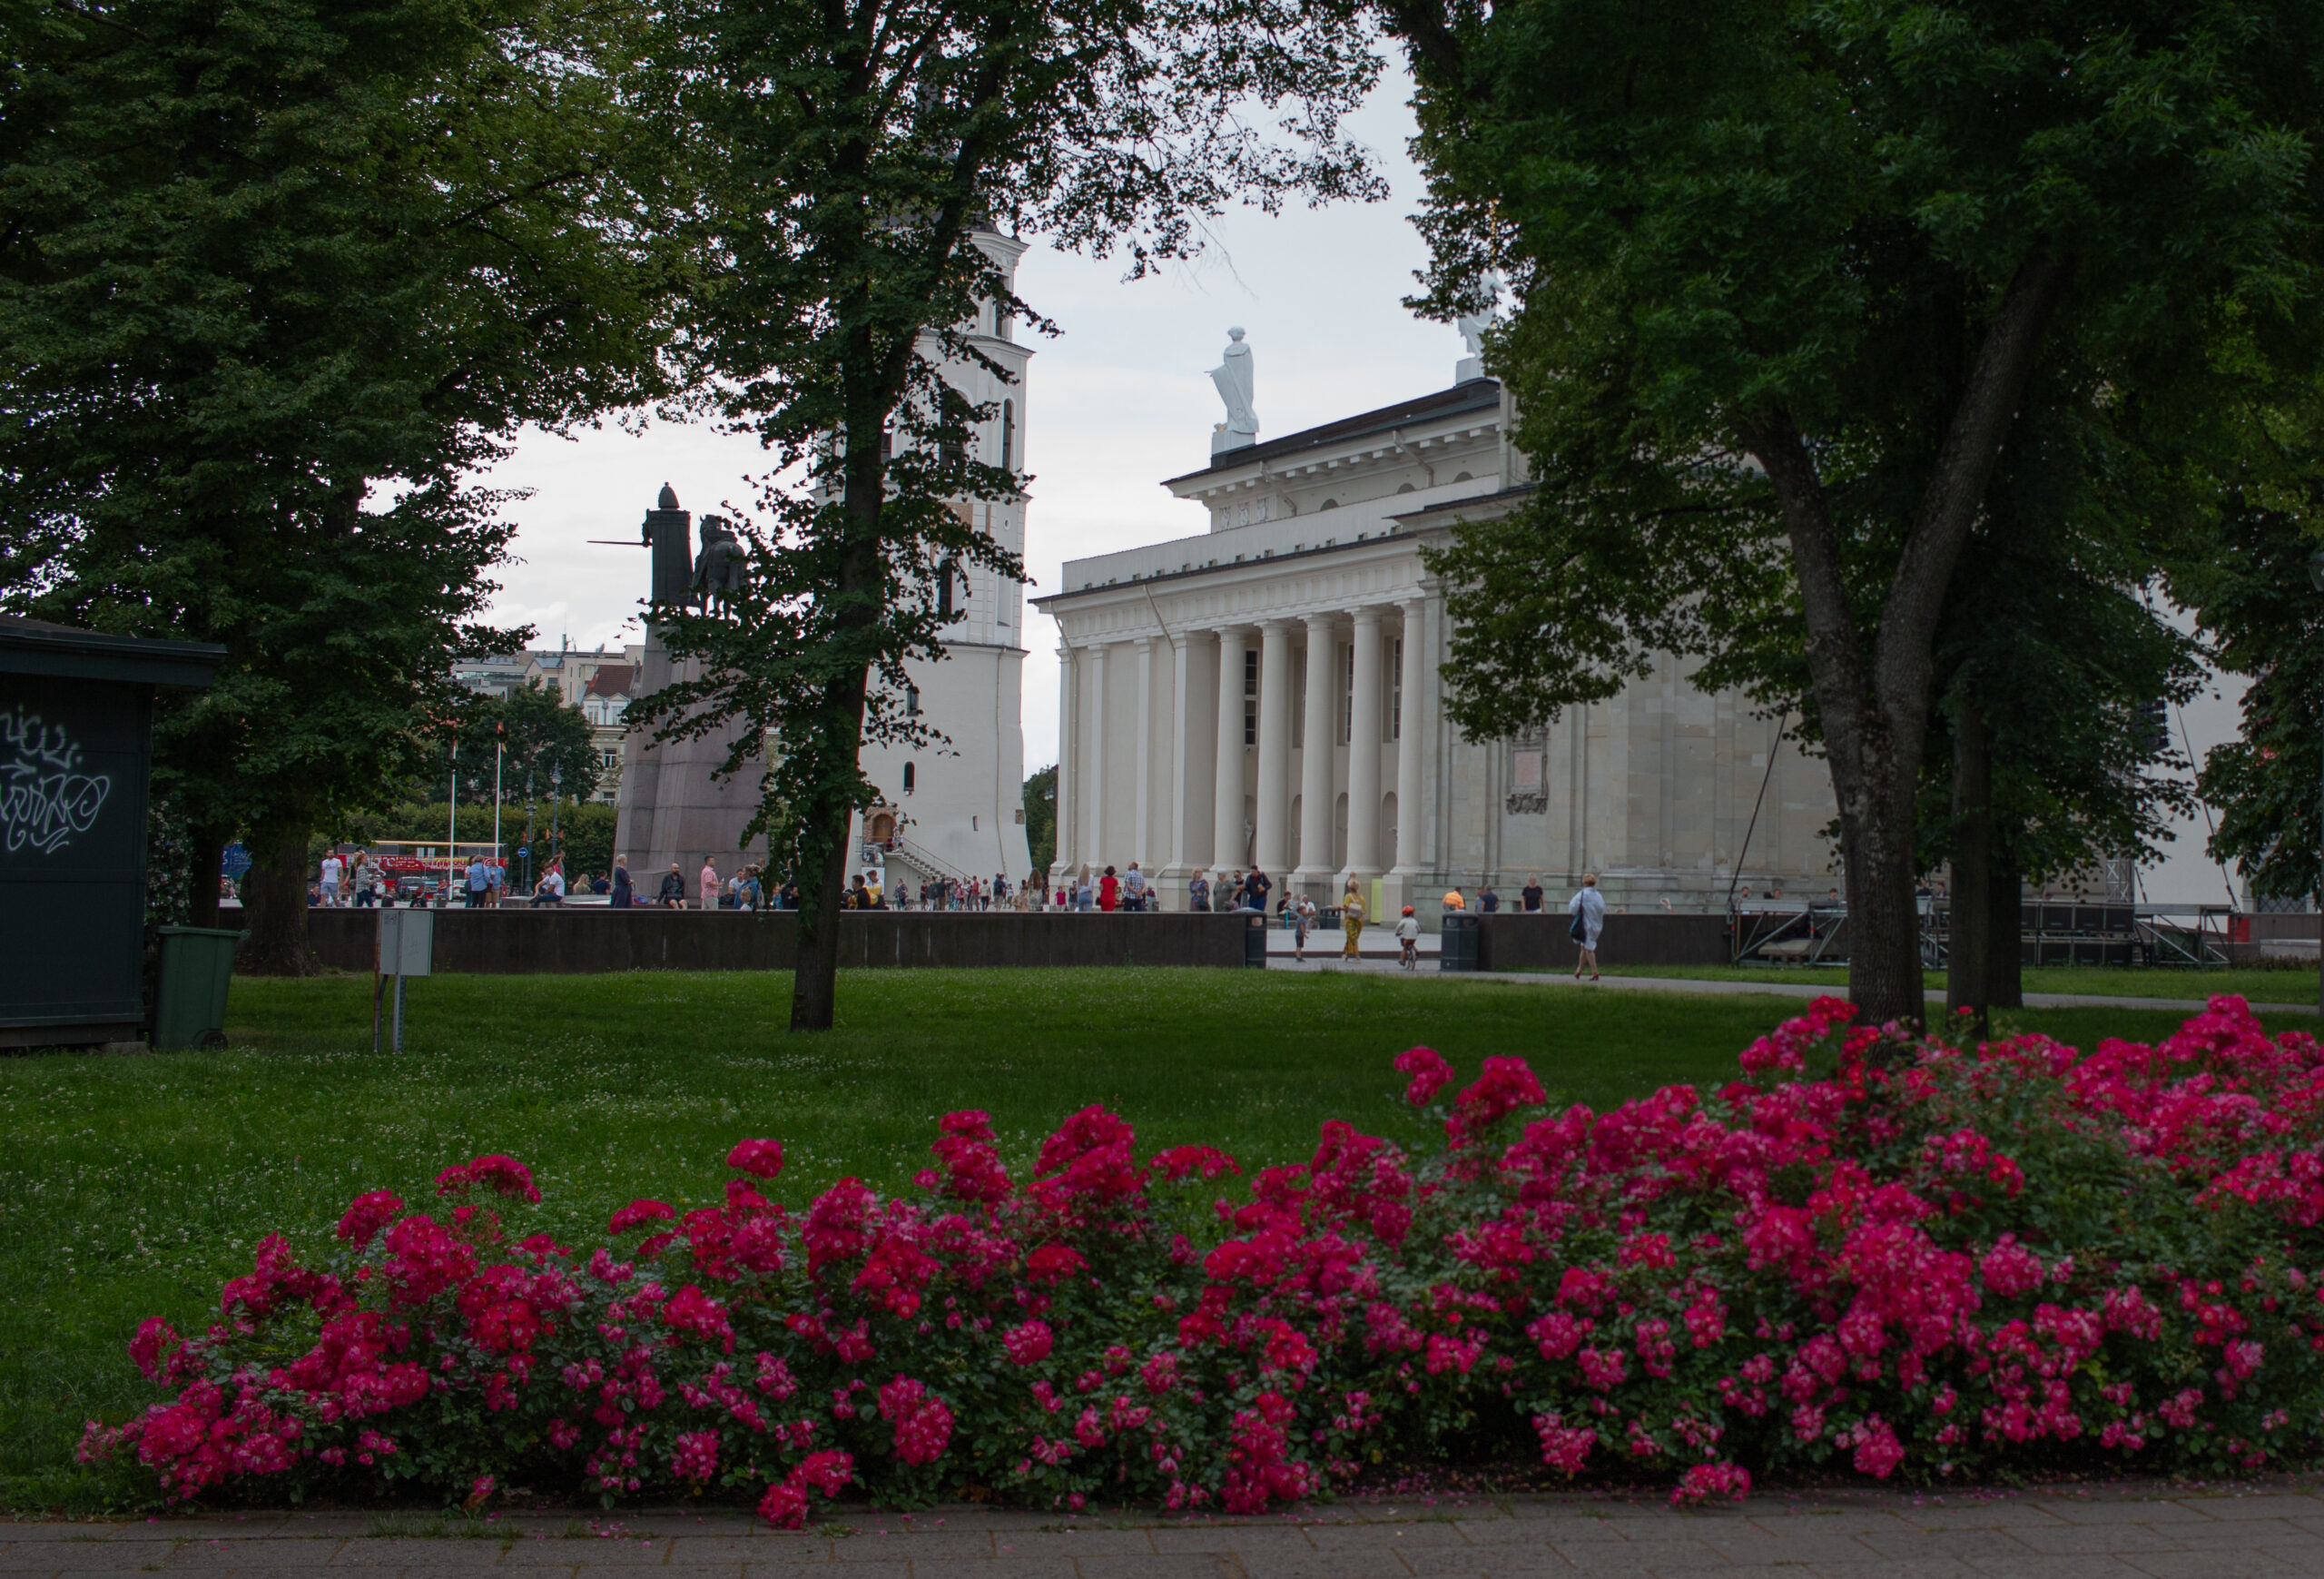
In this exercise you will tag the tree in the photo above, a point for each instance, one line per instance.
(2056, 663)
(853, 155)
(276, 277)
(534, 738)
(1789, 273)
(1041, 817)
(2253, 596)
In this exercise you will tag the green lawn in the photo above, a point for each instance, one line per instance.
(132, 1185)
(2088, 980)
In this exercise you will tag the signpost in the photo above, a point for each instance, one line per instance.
(407, 947)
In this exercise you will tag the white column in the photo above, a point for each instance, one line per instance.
(1364, 750)
(1410, 849)
(1226, 807)
(1069, 739)
(1320, 733)
(1269, 846)
(1186, 834)
(1144, 756)
(1092, 846)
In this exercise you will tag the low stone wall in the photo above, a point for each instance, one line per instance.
(592, 941)
(1508, 941)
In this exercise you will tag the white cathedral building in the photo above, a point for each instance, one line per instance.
(1267, 693)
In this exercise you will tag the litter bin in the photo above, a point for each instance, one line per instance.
(1456, 943)
(1255, 943)
(190, 1004)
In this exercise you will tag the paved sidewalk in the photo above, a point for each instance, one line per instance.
(1280, 959)
(2117, 1533)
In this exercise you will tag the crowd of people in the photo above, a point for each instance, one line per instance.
(359, 880)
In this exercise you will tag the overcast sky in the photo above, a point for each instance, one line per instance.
(1118, 401)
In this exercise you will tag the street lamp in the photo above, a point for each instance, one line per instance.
(2316, 580)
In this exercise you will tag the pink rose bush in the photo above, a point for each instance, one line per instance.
(1890, 1256)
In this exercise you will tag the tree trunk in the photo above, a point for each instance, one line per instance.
(822, 876)
(1968, 986)
(1872, 779)
(814, 980)
(274, 901)
(2005, 966)
(1874, 705)
(1885, 978)
(208, 862)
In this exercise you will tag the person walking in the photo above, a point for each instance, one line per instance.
(1302, 919)
(366, 882)
(332, 869)
(1588, 911)
(624, 891)
(708, 883)
(1352, 920)
(1408, 941)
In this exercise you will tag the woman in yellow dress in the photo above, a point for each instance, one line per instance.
(1352, 918)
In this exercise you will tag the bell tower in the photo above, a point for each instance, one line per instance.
(955, 810)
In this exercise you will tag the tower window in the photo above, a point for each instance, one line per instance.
(908, 778)
(1250, 672)
(1250, 723)
(944, 574)
(912, 701)
(1008, 435)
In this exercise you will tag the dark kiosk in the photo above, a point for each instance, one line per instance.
(76, 714)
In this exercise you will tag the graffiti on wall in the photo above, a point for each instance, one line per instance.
(45, 799)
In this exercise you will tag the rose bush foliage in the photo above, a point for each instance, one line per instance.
(1896, 1256)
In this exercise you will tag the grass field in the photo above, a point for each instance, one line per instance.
(134, 1184)
(2082, 980)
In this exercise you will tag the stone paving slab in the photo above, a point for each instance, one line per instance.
(2123, 1532)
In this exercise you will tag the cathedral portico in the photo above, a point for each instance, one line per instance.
(1267, 693)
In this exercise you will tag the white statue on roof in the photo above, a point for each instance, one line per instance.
(1233, 378)
(1473, 327)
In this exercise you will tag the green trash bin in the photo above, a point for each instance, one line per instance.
(189, 1003)
(1456, 941)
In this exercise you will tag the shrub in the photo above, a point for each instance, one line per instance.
(1900, 1256)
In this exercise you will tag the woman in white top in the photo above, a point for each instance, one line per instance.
(1588, 909)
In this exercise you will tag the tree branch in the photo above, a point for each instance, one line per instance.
(1956, 491)
(1422, 25)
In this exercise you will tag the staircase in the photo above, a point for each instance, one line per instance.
(919, 861)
